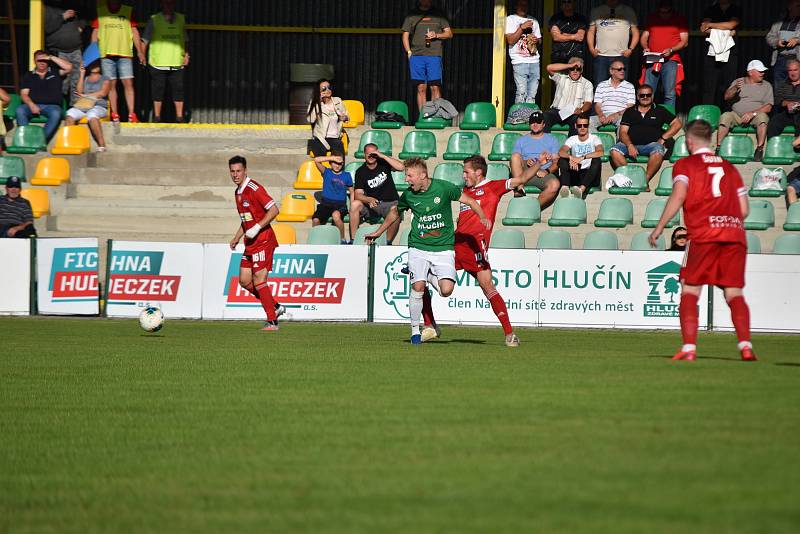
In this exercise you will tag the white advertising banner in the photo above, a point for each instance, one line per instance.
(67, 276)
(15, 276)
(313, 282)
(166, 275)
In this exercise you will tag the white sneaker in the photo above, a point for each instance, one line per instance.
(564, 191)
(280, 309)
(576, 191)
(431, 332)
(512, 340)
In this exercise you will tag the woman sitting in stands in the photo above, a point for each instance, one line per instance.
(327, 115)
(92, 103)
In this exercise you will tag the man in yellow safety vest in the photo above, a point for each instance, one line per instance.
(166, 43)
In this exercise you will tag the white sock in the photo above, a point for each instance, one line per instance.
(745, 344)
(415, 310)
(434, 282)
(687, 348)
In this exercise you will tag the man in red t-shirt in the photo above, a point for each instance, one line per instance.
(665, 33)
(256, 211)
(472, 240)
(714, 201)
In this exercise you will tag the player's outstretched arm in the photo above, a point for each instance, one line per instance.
(674, 203)
(393, 216)
(472, 203)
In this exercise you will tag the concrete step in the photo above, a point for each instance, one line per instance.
(144, 194)
(213, 144)
(256, 163)
(177, 177)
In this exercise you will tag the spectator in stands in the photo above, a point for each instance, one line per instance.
(720, 67)
(579, 160)
(424, 30)
(641, 132)
(327, 115)
(787, 102)
(613, 34)
(535, 148)
(165, 42)
(612, 97)
(751, 99)
(523, 35)
(63, 37)
(568, 30)
(666, 32)
(92, 104)
(784, 39)
(4, 100)
(374, 193)
(116, 42)
(574, 94)
(679, 237)
(40, 91)
(16, 215)
(337, 186)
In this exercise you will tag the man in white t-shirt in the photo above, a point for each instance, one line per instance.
(613, 34)
(523, 35)
(579, 160)
(612, 97)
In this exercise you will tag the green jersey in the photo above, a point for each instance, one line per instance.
(432, 227)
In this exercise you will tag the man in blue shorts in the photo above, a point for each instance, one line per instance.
(424, 29)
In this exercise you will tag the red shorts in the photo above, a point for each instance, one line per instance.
(471, 254)
(260, 259)
(717, 264)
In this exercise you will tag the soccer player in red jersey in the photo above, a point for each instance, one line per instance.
(472, 240)
(256, 211)
(714, 201)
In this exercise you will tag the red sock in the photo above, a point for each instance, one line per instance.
(740, 315)
(267, 302)
(689, 321)
(500, 310)
(427, 309)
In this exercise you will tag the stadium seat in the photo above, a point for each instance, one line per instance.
(479, 116)
(324, 234)
(394, 106)
(787, 244)
(568, 212)
(352, 167)
(41, 119)
(12, 166)
(615, 213)
(462, 145)
(664, 188)
(638, 177)
(419, 144)
(708, 113)
(399, 179)
(600, 240)
(554, 239)
(774, 193)
(71, 140)
(761, 217)
(285, 233)
(355, 112)
(779, 151)
(39, 199)
(381, 138)
(522, 127)
(403, 239)
(368, 229)
(653, 213)
(560, 137)
(503, 145)
(610, 128)
(297, 206)
(737, 148)
(28, 140)
(51, 172)
(522, 211)
(507, 238)
(680, 150)
(308, 176)
(792, 223)
(498, 171)
(753, 243)
(608, 142)
(559, 128)
(640, 242)
(433, 123)
(451, 172)
(10, 111)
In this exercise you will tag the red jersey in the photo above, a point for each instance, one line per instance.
(488, 194)
(711, 210)
(252, 203)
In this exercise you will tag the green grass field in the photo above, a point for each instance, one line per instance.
(217, 427)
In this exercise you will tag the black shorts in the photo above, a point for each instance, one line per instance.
(159, 80)
(326, 208)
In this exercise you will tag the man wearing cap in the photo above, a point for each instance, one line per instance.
(16, 215)
(574, 94)
(751, 98)
(538, 148)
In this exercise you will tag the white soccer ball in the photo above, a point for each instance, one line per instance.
(151, 319)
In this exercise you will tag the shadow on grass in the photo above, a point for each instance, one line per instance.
(464, 341)
(701, 357)
(787, 364)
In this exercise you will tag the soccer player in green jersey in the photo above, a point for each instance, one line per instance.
(431, 256)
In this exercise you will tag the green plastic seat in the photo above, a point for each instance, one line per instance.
(523, 127)
(419, 144)
(12, 166)
(743, 129)
(762, 215)
(787, 244)
(568, 211)
(507, 238)
(498, 171)
(637, 175)
(522, 211)
(503, 146)
(450, 172)
(352, 167)
(382, 139)
(753, 243)
(560, 137)
(399, 179)
(792, 223)
(769, 193)
(641, 241)
(664, 188)
(615, 213)
(479, 116)
(607, 128)
(559, 128)
(554, 240)
(10, 111)
(708, 113)
(737, 148)
(396, 106)
(28, 140)
(41, 119)
(601, 240)
(608, 142)
(433, 123)
(653, 211)
(680, 150)
(779, 151)
(462, 145)
(368, 229)
(324, 234)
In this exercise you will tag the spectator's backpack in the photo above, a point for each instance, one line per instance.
(439, 108)
(520, 115)
(768, 179)
(389, 116)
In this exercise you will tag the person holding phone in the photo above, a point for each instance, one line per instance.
(523, 36)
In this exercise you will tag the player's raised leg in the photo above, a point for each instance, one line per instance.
(740, 315)
(689, 317)
(499, 308)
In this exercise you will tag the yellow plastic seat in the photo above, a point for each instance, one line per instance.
(51, 171)
(284, 233)
(308, 176)
(72, 140)
(355, 112)
(297, 206)
(39, 199)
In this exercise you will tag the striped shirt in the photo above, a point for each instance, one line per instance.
(571, 94)
(14, 212)
(613, 99)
